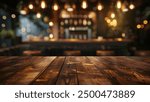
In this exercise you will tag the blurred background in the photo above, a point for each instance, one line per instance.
(74, 27)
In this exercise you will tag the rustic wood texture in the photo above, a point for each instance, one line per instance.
(71, 70)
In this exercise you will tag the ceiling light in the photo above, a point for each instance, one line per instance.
(99, 6)
(119, 4)
(84, 4)
(38, 15)
(43, 4)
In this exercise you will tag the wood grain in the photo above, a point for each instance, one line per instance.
(71, 70)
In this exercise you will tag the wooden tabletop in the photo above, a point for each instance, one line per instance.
(71, 70)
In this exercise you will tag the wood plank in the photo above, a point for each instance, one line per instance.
(73, 70)
(88, 73)
(50, 75)
(68, 74)
(28, 74)
(105, 69)
(125, 74)
(10, 67)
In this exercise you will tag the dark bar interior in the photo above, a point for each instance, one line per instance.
(40, 40)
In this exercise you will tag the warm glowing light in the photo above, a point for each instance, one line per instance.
(38, 15)
(99, 6)
(119, 4)
(51, 24)
(138, 26)
(84, 22)
(107, 20)
(55, 7)
(23, 30)
(23, 12)
(131, 6)
(4, 17)
(114, 23)
(3, 25)
(43, 4)
(51, 36)
(124, 8)
(145, 22)
(119, 39)
(84, 4)
(69, 9)
(13, 16)
(31, 6)
(123, 35)
(46, 38)
(112, 15)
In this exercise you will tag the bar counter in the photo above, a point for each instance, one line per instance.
(70, 70)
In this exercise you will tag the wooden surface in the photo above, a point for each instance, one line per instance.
(74, 70)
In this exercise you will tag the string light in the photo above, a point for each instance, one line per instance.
(23, 12)
(13, 15)
(138, 26)
(131, 6)
(112, 15)
(123, 35)
(55, 7)
(114, 23)
(4, 17)
(43, 4)
(31, 6)
(51, 23)
(51, 36)
(3, 25)
(84, 4)
(145, 22)
(119, 4)
(99, 6)
(38, 15)
(69, 9)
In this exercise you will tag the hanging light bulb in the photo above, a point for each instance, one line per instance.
(125, 7)
(131, 6)
(43, 4)
(112, 15)
(99, 6)
(51, 23)
(23, 12)
(84, 4)
(55, 7)
(38, 15)
(119, 4)
(31, 6)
